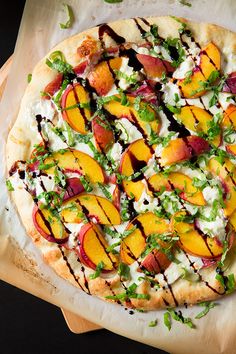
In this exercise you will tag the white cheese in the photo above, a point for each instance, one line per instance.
(150, 171)
(74, 231)
(193, 49)
(206, 101)
(210, 194)
(55, 142)
(171, 91)
(165, 123)
(135, 275)
(115, 153)
(145, 203)
(224, 100)
(128, 71)
(195, 102)
(161, 50)
(43, 183)
(215, 228)
(129, 132)
(186, 66)
(44, 108)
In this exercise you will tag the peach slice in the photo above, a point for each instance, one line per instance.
(92, 248)
(116, 197)
(133, 160)
(155, 262)
(92, 207)
(50, 227)
(229, 120)
(209, 61)
(134, 244)
(178, 180)
(76, 161)
(117, 109)
(182, 149)
(231, 149)
(193, 242)
(227, 175)
(73, 187)
(76, 116)
(88, 48)
(103, 134)
(197, 120)
(154, 67)
(101, 78)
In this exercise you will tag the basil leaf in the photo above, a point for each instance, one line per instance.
(152, 323)
(124, 271)
(177, 316)
(86, 184)
(70, 16)
(105, 191)
(113, 1)
(208, 306)
(167, 321)
(173, 109)
(145, 114)
(29, 78)
(185, 3)
(9, 185)
(98, 270)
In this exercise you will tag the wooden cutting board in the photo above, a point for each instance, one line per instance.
(75, 323)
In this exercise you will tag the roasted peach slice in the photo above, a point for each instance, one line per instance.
(90, 206)
(154, 67)
(155, 262)
(229, 120)
(193, 242)
(133, 160)
(88, 48)
(209, 62)
(182, 149)
(227, 174)
(180, 181)
(117, 109)
(101, 77)
(75, 115)
(197, 119)
(134, 244)
(103, 134)
(75, 161)
(92, 248)
(49, 226)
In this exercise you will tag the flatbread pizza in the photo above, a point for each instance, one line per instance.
(122, 161)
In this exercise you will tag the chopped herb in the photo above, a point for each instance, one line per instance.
(167, 321)
(113, 1)
(188, 76)
(124, 271)
(227, 135)
(190, 276)
(228, 282)
(70, 16)
(86, 184)
(146, 114)
(105, 191)
(177, 316)
(224, 254)
(9, 185)
(70, 134)
(185, 3)
(199, 183)
(173, 45)
(153, 33)
(184, 218)
(173, 109)
(130, 79)
(152, 323)
(46, 166)
(29, 78)
(98, 270)
(59, 177)
(208, 306)
(57, 62)
(214, 126)
(112, 247)
(130, 293)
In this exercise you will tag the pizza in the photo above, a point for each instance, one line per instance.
(122, 161)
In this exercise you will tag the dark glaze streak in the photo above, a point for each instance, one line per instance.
(174, 125)
(104, 28)
(200, 276)
(70, 268)
(112, 292)
(81, 110)
(85, 279)
(104, 248)
(97, 200)
(141, 30)
(162, 271)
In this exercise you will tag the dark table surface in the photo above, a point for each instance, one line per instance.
(30, 325)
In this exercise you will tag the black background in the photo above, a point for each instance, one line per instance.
(30, 325)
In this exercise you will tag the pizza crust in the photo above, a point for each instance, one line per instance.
(22, 138)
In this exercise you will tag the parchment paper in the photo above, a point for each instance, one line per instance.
(20, 262)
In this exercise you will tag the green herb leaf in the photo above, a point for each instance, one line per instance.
(130, 293)
(70, 16)
(173, 109)
(86, 184)
(57, 62)
(105, 191)
(208, 306)
(185, 3)
(113, 1)
(29, 78)
(9, 185)
(177, 316)
(98, 270)
(167, 321)
(152, 323)
(124, 271)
